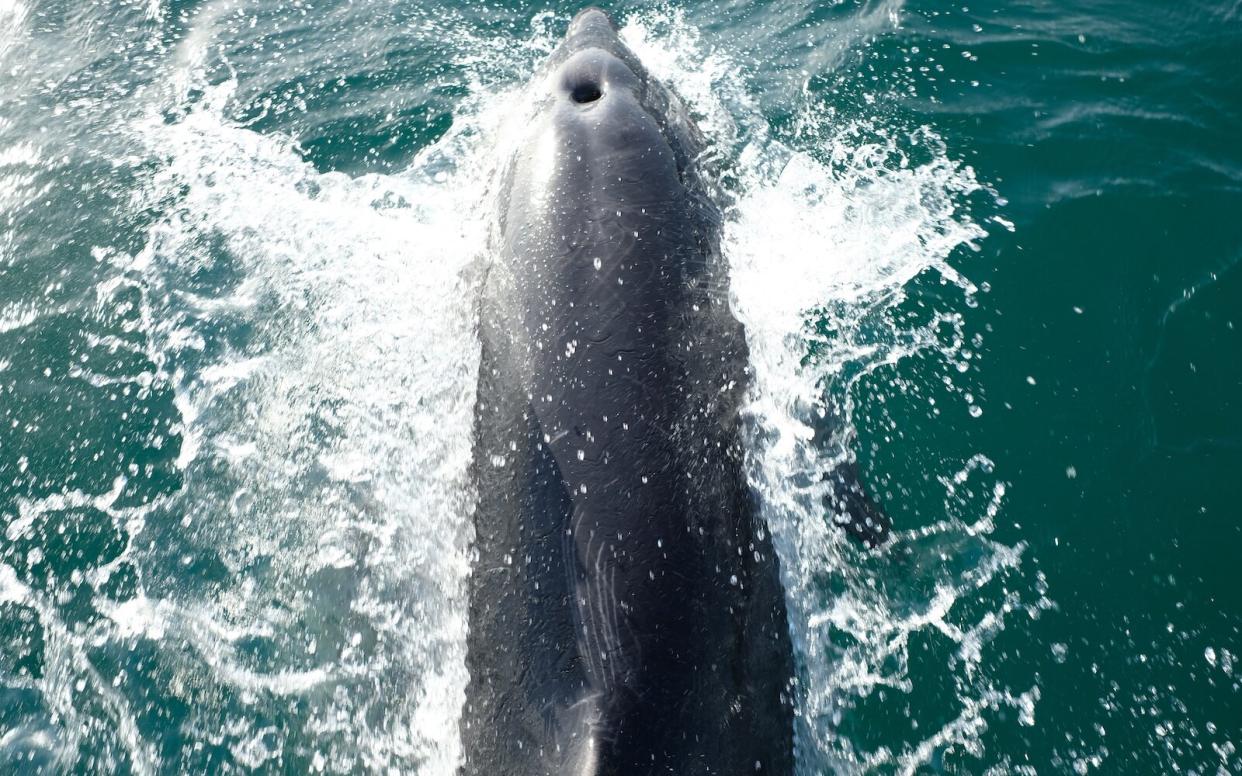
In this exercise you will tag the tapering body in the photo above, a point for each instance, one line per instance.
(626, 615)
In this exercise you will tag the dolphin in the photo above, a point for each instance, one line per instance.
(625, 608)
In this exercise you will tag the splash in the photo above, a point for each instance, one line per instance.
(325, 386)
(283, 586)
(13, 15)
(299, 597)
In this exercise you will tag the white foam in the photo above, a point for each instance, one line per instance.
(12, 20)
(19, 180)
(359, 293)
(325, 391)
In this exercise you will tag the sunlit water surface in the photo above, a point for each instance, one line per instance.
(240, 246)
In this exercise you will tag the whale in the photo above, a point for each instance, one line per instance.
(625, 614)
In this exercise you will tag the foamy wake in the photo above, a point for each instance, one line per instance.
(301, 595)
(326, 389)
(317, 333)
(13, 15)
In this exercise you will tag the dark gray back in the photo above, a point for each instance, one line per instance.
(626, 614)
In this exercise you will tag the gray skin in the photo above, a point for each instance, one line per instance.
(626, 613)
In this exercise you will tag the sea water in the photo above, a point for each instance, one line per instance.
(988, 250)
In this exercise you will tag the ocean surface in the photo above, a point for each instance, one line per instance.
(240, 245)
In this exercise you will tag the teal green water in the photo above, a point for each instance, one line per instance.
(238, 242)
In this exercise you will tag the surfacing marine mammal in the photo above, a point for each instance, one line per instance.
(626, 612)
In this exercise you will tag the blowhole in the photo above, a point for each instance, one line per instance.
(584, 93)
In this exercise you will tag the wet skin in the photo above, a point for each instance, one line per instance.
(626, 613)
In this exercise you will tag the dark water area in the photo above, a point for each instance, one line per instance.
(238, 248)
